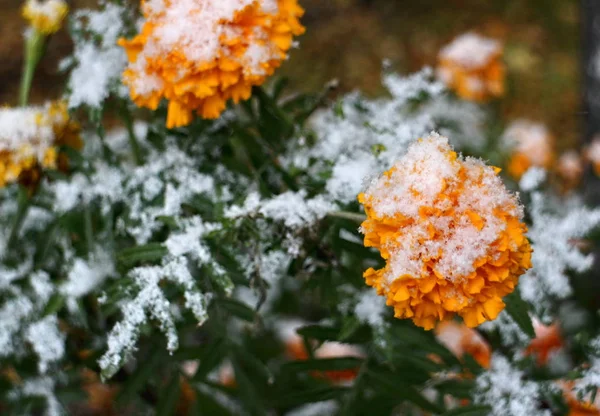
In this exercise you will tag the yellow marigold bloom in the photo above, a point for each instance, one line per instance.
(29, 141)
(531, 144)
(472, 66)
(198, 54)
(45, 16)
(451, 235)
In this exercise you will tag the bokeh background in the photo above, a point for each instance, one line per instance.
(349, 39)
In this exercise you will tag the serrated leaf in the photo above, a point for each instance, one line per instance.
(518, 309)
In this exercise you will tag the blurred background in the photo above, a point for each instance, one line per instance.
(349, 39)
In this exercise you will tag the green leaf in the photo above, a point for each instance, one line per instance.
(518, 309)
(169, 397)
(349, 327)
(400, 389)
(237, 309)
(151, 252)
(473, 410)
(54, 304)
(206, 405)
(319, 394)
(325, 364)
(210, 356)
(139, 378)
(318, 332)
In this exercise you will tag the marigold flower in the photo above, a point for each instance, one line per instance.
(532, 145)
(585, 407)
(460, 340)
(30, 138)
(471, 65)
(592, 154)
(198, 54)
(570, 168)
(295, 349)
(546, 342)
(451, 235)
(45, 16)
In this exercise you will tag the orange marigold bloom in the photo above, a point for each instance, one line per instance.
(570, 168)
(577, 407)
(531, 144)
(198, 54)
(472, 66)
(592, 154)
(460, 340)
(451, 235)
(547, 341)
(30, 138)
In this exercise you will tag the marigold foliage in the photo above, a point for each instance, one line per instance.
(198, 54)
(451, 235)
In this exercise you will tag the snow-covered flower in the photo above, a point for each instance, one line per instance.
(531, 144)
(198, 54)
(570, 168)
(471, 65)
(45, 16)
(30, 138)
(450, 232)
(547, 341)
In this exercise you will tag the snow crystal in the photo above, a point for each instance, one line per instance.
(86, 275)
(98, 65)
(47, 341)
(555, 228)
(471, 50)
(291, 208)
(27, 131)
(324, 408)
(505, 390)
(532, 179)
(178, 27)
(530, 139)
(510, 332)
(415, 181)
(151, 300)
(371, 308)
(12, 314)
(358, 138)
(43, 387)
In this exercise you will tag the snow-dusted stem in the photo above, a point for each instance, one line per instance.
(24, 202)
(133, 142)
(347, 215)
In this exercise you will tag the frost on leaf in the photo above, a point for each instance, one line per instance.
(504, 389)
(555, 230)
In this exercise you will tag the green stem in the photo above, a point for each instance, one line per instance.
(24, 202)
(34, 49)
(88, 229)
(133, 142)
(352, 216)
